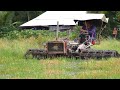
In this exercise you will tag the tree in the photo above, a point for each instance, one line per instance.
(24, 16)
(3, 17)
(9, 18)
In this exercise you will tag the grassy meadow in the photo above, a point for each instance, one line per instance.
(13, 65)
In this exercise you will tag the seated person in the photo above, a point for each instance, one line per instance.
(90, 29)
(82, 35)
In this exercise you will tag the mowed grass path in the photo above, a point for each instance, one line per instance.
(14, 66)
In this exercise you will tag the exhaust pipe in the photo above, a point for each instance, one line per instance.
(57, 30)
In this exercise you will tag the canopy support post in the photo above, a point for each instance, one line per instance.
(57, 30)
(99, 34)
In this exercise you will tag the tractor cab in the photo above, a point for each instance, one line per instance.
(98, 20)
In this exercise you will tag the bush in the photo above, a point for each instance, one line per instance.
(28, 34)
(4, 30)
(14, 33)
(74, 34)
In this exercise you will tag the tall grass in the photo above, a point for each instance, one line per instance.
(13, 65)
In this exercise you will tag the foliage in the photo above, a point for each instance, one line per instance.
(5, 30)
(75, 33)
(3, 16)
(24, 16)
(13, 33)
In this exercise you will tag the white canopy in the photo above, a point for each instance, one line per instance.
(60, 15)
(107, 19)
(51, 18)
(64, 17)
(92, 17)
(47, 22)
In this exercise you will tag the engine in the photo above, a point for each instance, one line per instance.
(56, 47)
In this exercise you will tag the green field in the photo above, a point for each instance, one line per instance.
(14, 66)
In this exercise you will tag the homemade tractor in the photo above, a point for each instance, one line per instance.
(70, 49)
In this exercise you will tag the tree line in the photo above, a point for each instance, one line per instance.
(17, 17)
